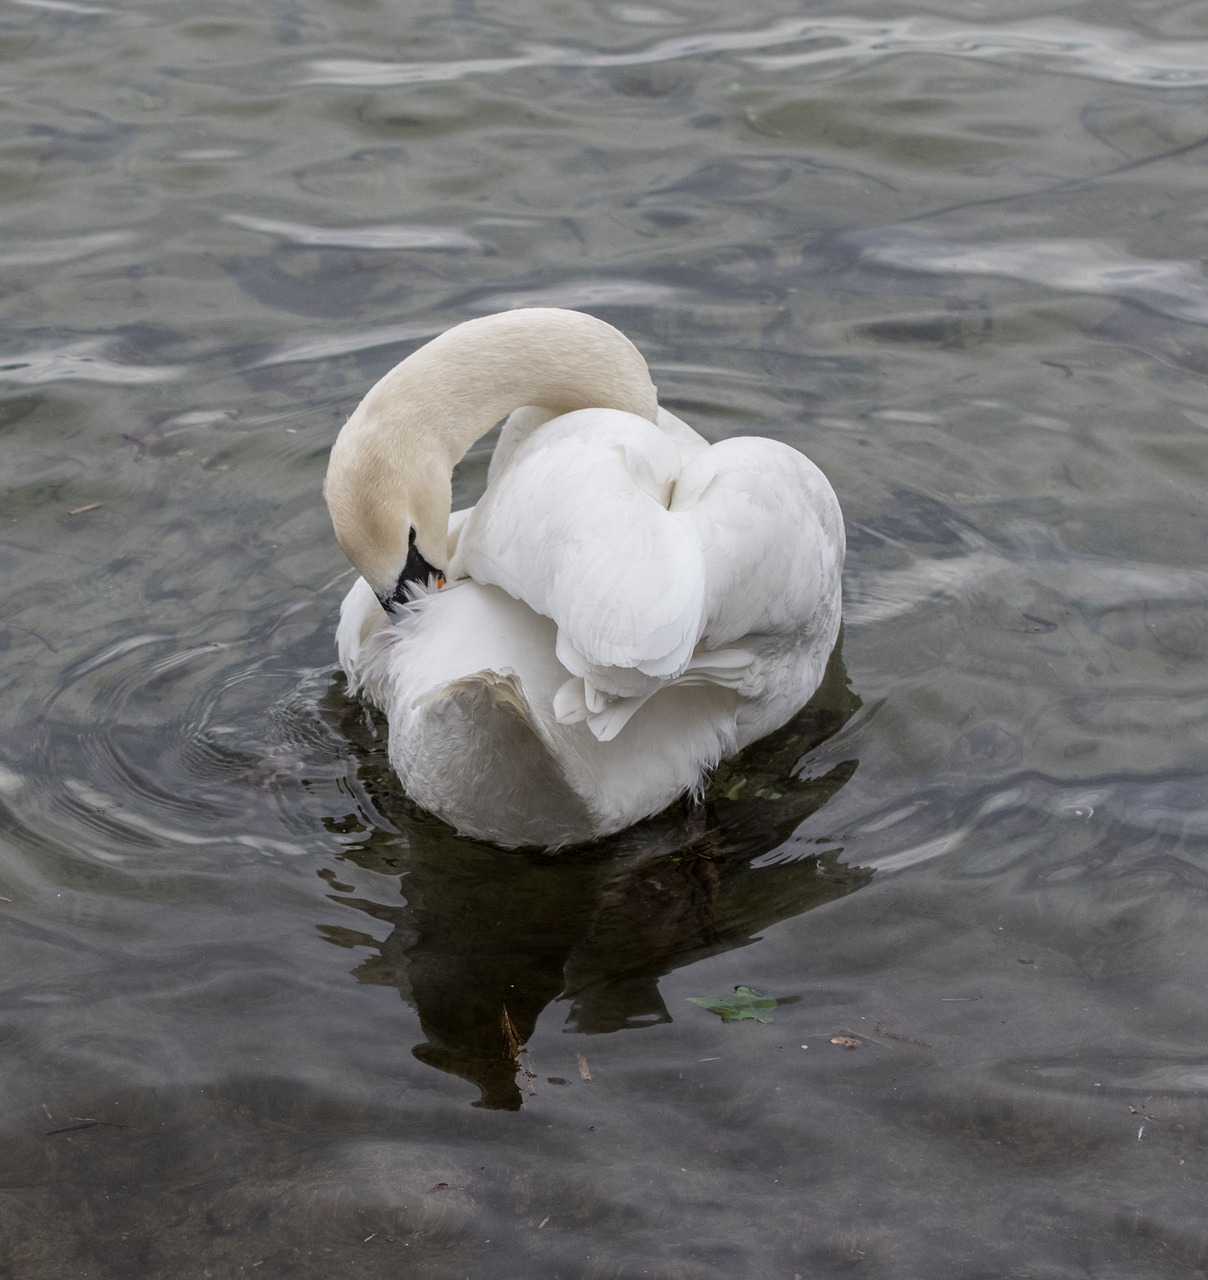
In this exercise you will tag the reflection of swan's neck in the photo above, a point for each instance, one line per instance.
(416, 424)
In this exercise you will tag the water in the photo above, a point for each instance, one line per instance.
(252, 1017)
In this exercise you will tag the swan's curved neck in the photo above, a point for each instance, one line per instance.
(392, 464)
(461, 383)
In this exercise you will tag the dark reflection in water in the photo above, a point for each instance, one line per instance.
(487, 939)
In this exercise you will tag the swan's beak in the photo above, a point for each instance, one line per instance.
(417, 577)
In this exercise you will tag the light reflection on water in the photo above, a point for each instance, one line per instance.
(1175, 289)
(253, 996)
(1069, 46)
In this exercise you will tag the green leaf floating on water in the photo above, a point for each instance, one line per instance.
(745, 1005)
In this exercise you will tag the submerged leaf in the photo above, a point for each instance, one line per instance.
(743, 1006)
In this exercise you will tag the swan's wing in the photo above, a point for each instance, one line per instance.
(771, 538)
(577, 527)
(517, 428)
(521, 424)
(688, 443)
(657, 557)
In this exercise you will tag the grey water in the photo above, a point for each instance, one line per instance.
(262, 1017)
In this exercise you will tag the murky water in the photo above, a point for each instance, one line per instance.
(253, 1013)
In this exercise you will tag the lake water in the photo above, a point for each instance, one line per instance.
(253, 1017)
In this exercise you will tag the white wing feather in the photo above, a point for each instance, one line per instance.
(577, 527)
(654, 554)
(769, 532)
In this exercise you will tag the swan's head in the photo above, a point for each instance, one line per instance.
(389, 481)
(390, 512)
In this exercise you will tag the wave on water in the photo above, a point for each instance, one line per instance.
(1046, 44)
(403, 236)
(1173, 288)
(82, 360)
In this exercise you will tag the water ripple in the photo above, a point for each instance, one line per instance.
(36, 253)
(907, 836)
(63, 6)
(873, 597)
(325, 348)
(83, 360)
(1078, 48)
(571, 293)
(1165, 805)
(584, 293)
(1059, 44)
(379, 237)
(1092, 585)
(141, 754)
(1172, 288)
(113, 652)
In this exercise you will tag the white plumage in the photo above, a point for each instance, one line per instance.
(625, 606)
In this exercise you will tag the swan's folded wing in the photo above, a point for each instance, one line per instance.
(577, 527)
(771, 536)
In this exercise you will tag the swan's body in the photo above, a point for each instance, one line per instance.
(625, 606)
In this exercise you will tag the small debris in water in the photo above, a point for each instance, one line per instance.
(79, 511)
(847, 1042)
(879, 1030)
(457, 1186)
(518, 1054)
(745, 1005)
(81, 1122)
(584, 1069)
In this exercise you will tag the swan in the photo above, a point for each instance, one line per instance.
(625, 606)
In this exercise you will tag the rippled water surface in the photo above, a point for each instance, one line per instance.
(263, 1018)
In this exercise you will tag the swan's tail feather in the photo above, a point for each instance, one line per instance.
(580, 699)
(481, 739)
(570, 702)
(606, 724)
(726, 667)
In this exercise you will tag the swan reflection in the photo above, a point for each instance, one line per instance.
(485, 939)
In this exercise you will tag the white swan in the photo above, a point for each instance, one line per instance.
(625, 606)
